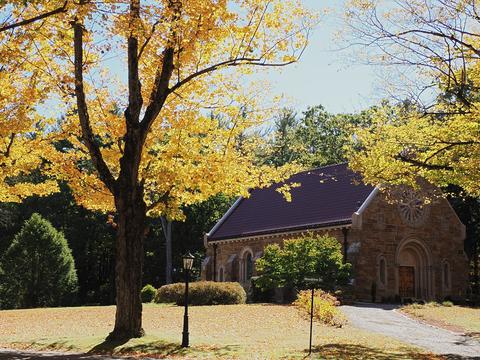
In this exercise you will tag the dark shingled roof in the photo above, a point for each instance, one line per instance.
(327, 196)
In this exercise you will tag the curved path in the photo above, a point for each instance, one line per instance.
(385, 320)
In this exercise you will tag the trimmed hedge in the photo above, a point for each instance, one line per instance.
(148, 293)
(170, 293)
(203, 293)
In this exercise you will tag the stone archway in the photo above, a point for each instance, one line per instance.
(414, 274)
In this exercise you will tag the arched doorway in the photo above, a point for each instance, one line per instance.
(414, 270)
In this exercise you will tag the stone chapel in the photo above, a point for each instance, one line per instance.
(407, 247)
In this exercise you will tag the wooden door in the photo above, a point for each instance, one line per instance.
(406, 286)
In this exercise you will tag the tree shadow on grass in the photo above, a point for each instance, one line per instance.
(159, 348)
(107, 346)
(44, 345)
(147, 346)
(121, 347)
(357, 352)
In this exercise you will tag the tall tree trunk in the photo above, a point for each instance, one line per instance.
(129, 266)
(167, 232)
(131, 229)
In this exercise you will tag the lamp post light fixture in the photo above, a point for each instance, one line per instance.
(187, 266)
(313, 282)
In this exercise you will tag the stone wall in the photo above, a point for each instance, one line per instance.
(230, 253)
(383, 233)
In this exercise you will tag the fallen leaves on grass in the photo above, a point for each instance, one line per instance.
(454, 318)
(225, 331)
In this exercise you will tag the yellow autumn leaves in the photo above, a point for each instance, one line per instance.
(202, 142)
(433, 55)
(401, 147)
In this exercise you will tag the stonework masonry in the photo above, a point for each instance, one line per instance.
(391, 258)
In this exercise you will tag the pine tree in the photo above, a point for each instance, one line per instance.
(38, 268)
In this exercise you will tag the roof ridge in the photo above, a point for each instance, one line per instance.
(264, 210)
(225, 216)
(322, 167)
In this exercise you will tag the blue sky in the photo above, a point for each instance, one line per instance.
(324, 75)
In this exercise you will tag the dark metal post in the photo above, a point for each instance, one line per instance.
(214, 262)
(185, 316)
(345, 244)
(311, 323)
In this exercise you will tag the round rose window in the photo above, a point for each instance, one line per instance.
(412, 209)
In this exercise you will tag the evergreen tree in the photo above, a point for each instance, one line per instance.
(38, 268)
(314, 139)
(324, 135)
(283, 147)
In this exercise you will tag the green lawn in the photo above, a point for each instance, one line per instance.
(236, 331)
(458, 318)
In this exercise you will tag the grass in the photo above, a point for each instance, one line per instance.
(456, 318)
(234, 331)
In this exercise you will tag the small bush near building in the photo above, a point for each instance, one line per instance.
(148, 293)
(169, 293)
(324, 307)
(311, 256)
(260, 295)
(203, 293)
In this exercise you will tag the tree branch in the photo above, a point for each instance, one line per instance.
(161, 88)
(423, 164)
(147, 40)
(135, 100)
(9, 146)
(160, 92)
(440, 35)
(227, 63)
(87, 132)
(36, 18)
(162, 79)
(161, 199)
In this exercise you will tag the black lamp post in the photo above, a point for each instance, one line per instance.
(187, 266)
(311, 321)
(312, 282)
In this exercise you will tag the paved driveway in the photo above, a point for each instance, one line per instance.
(385, 320)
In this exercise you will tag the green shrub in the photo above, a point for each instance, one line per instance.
(324, 307)
(258, 294)
(203, 293)
(169, 293)
(38, 268)
(311, 256)
(148, 293)
(447, 303)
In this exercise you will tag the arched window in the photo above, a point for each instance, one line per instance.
(382, 271)
(221, 275)
(446, 275)
(246, 265)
